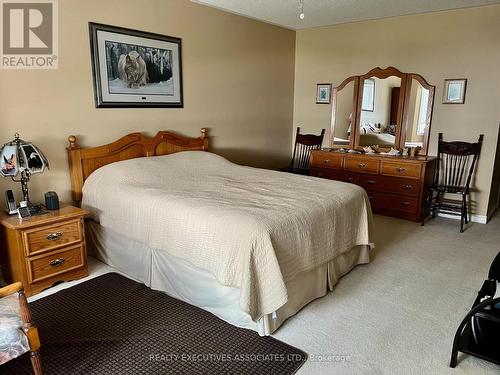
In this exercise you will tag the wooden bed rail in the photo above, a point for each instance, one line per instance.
(84, 161)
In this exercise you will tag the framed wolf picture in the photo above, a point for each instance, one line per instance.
(134, 68)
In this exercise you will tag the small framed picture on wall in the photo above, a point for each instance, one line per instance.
(454, 91)
(323, 93)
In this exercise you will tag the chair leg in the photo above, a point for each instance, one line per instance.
(427, 206)
(36, 362)
(466, 209)
(437, 205)
(463, 213)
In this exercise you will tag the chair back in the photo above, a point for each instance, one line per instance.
(304, 144)
(456, 162)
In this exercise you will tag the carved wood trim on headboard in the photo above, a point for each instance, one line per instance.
(84, 161)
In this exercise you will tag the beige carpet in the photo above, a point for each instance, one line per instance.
(398, 314)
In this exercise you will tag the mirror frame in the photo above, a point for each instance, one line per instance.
(381, 74)
(335, 92)
(428, 120)
(402, 116)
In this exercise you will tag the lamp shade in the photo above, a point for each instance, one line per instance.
(19, 156)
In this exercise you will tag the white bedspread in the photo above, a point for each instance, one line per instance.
(251, 228)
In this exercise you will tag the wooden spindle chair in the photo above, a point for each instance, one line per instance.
(455, 168)
(304, 144)
(20, 330)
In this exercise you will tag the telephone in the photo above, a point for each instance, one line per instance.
(11, 203)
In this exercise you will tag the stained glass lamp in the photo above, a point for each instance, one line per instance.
(21, 159)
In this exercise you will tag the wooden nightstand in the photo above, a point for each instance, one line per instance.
(42, 250)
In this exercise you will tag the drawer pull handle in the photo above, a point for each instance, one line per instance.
(371, 181)
(54, 236)
(408, 187)
(327, 161)
(348, 179)
(401, 169)
(405, 204)
(361, 165)
(370, 197)
(57, 262)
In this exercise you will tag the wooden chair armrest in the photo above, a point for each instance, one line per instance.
(10, 289)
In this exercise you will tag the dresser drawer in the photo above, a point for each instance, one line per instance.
(51, 237)
(326, 160)
(409, 170)
(361, 165)
(390, 185)
(393, 202)
(57, 262)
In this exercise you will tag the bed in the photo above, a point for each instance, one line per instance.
(252, 246)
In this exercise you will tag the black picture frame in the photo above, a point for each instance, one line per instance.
(119, 93)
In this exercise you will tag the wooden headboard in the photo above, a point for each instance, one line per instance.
(84, 161)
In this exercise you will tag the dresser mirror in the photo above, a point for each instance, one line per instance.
(344, 98)
(419, 112)
(385, 108)
(379, 111)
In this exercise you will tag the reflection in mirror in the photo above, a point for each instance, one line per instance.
(419, 107)
(342, 116)
(379, 111)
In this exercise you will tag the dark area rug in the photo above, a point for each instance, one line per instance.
(113, 325)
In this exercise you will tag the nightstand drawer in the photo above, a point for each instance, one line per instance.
(52, 237)
(55, 263)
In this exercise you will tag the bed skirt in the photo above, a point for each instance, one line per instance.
(180, 279)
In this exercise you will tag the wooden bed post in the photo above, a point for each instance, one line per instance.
(204, 138)
(75, 167)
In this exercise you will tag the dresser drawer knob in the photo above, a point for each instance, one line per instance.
(371, 181)
(348, 179)
(54, 236)
(405, 204)
(327, 161)
(408, 187)
(361, 165)
(57, 262)
(401, 169)
(370, 197)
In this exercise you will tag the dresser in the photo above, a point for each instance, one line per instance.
(42, 250)
(396, 185)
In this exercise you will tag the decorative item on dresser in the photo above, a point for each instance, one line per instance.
(43, 250)
(396, 185)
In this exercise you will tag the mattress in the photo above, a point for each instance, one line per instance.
(252, 229)
(182, 280)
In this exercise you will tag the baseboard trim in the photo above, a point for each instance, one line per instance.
(481, 219)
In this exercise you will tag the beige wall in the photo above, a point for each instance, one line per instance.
(456, 44)
(238, 82)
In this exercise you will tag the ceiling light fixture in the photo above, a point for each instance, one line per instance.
(301, 8)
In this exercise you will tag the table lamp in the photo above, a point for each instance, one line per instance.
(21, 158)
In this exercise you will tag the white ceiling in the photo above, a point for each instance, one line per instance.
(331, 12)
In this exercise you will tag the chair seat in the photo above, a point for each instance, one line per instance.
(13, 341)
(450, 189)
